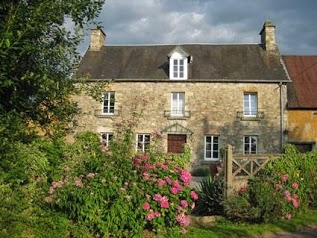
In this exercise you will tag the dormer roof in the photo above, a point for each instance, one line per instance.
(180, 50)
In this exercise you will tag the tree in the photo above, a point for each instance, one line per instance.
(37, 57)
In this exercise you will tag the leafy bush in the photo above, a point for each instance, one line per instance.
(211, 196)
(112, 195)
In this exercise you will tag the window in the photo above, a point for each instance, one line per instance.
(250, 144)
(211, 147)
(177, 104)
(108, 100)
(250, 108)
(106, 138)
(178, 68)
(178, 63)
(143, 142)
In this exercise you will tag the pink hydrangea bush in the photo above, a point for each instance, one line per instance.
(168, 197)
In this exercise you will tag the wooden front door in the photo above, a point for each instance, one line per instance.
(175, 143)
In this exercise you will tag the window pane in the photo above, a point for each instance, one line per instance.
(208, 154)
(208, 138)
(215, 155)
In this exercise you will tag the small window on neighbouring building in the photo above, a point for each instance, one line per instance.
(304, 147)
(211, 147)
(143, 142)
(250, 144)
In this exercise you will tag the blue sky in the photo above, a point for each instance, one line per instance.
(210, 21)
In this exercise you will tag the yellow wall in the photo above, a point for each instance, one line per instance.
(302, 125)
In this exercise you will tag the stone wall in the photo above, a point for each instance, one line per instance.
(212, 107)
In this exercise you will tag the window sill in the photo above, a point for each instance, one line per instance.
(257, 117)
(100, 114)
(171, 116)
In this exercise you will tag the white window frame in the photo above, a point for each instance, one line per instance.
(106, 137)
(143, 145)
(108, 103)
(214, 147)
(252, 141)
(178, 105)
(250, 104)
(178, 67)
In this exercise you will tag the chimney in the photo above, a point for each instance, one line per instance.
(268, 37)
(97, 39)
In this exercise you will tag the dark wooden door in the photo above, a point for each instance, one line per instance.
(175, 143)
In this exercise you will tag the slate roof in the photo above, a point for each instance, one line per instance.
(232, 63)
(302, 91)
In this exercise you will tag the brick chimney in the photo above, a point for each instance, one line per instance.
(268, 37)
(97, 39)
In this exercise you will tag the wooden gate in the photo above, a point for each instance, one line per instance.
(239, 168)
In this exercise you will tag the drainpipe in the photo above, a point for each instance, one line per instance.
(281, 117)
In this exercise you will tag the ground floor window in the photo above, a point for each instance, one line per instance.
(211, 147)
(176, 143)
(106, 138)
(143, 142)
(250, 144)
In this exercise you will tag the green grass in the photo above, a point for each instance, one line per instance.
(227, 229)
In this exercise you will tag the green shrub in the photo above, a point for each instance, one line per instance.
(211, 196)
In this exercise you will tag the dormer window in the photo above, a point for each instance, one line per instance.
(178, 63)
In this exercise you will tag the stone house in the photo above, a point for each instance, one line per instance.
(204, 95)
(302, 102)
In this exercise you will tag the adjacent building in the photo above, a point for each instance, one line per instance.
(301, 129)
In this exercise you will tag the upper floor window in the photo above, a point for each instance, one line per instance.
(211, 147)
(250, 144)
(250, 105)
(177, 104)
(178, 63)
(143, 142)
(108, 101)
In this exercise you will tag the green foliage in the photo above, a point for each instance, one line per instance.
(107, 193)
(286, 187)
(38, 56)
(211, 196)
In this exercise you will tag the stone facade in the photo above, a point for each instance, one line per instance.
(211, 109)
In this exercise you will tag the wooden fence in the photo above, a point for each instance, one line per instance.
(239, 168)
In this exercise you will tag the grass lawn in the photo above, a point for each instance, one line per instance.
(227, 229)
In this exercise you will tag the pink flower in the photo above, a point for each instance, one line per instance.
(193, 205)
(150, 216)
(284, 178)
(184, 203)
(182, 219)
(157, 197)
(295, 185)
(51, 190)
(164, 202)
(177, 185)
(157, 214)
(146, 176)
(179, 208)
(161, 183)
(168, 180)
(295, 196)
(278, 186)
(146, 206)
(295, 203)
(287, 193)
(193, 195)
(173, 190)
(185, 176)
(288, 216)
